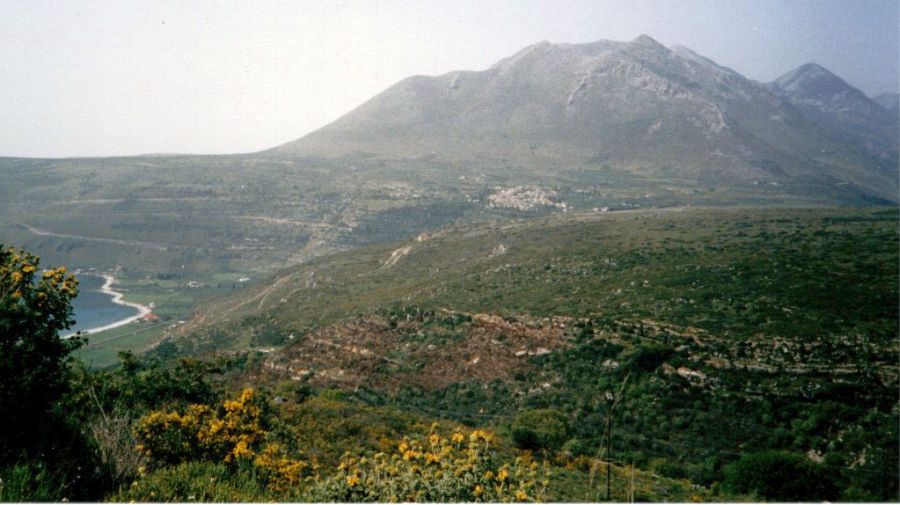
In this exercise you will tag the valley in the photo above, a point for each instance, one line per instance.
(608, 259)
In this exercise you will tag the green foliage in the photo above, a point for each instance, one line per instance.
(140, 385)
(647, 358)
(780, 476)
(30, 483)
(461, 467)
(34, 307)
(540, 429)
(196, 481)
(668, 468)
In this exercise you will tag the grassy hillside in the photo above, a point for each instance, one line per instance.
(167, 223)
(197, 216)
(728, 332)
(736, 272)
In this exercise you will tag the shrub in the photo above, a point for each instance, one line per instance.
(199, 481)
(780, 476)
(540, 429)
(648, 357)
(234, 435)
(439, 469)
(115, 445)
(34, 307)
(170, 437)
(30, 483)
(668, 468)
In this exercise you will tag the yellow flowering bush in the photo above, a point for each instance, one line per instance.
(438, 469)
(233, 433)
(281, 472)
(202, 433)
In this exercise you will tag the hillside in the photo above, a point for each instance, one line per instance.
(701, 312)
(890, 101)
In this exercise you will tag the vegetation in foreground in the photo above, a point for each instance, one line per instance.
(152, 432)
(788, 317)
(810, 401)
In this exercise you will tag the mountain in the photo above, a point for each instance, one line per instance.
(840, 109)
(633, 106)
(890, 101)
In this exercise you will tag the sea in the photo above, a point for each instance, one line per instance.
(94, 308)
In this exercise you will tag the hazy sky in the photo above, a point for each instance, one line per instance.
(97, 78)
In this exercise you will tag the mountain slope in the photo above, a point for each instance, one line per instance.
(890, 101)
(706, 312)
(637, 106)
(841, 109)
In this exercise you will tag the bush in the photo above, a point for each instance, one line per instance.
(112, 438)
(440, 469)
(539, 429)
(34, 307)
(198, 481)
(170, 437)
(780, 476)
(668, 468)
(648, 358)
(30, 483)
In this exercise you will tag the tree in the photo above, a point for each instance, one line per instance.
(780, 476)
(34, 307)
(540, 429)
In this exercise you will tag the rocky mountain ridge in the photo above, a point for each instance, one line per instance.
(637, 106)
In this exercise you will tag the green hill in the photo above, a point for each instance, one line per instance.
(733, 331)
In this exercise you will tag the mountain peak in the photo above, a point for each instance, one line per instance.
(837, 106)
(649, 42)
(812, 79)
(813, 68)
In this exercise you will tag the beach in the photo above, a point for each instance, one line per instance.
(143, 310)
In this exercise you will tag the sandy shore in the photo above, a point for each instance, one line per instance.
(143, 310)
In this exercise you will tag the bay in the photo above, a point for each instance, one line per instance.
(93, 308)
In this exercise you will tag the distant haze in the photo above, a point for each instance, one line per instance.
(124, 78)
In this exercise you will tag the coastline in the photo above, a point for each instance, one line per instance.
(143, 310)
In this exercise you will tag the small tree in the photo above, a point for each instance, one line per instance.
(34, 307)
(780, 476)
(540, 429)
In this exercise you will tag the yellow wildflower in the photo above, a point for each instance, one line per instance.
(521, 496)
(241, 450)
(479, 490)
